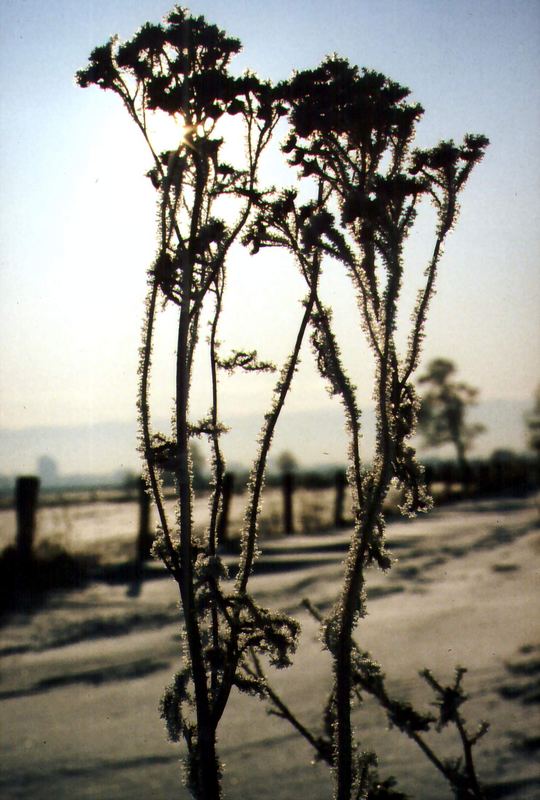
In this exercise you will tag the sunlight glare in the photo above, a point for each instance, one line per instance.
(166, 131)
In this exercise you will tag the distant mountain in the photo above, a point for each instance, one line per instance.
(76, 449)
(316, 438)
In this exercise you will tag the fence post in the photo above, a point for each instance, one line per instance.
(26, 499)
(144, 537)
(341, 483)
(223, 523)
(288, 513)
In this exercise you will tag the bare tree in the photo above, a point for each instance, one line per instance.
(443, 411)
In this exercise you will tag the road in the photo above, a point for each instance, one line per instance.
(82, 676)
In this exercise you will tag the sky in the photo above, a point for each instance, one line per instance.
(77, 214)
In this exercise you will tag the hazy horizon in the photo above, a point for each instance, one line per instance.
(316, 438)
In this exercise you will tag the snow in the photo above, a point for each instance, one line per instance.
(82, 675)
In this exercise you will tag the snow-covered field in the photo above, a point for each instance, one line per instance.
(82, 675)
(109, 529)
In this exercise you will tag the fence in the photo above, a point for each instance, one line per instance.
(445, 480)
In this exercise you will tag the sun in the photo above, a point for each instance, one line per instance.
(166, 131)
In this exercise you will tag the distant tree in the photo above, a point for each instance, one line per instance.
(286, 462)
(443, 411)
(47, 470)
(502, 455)
(198, 464)
(532, 420)
(127, 478)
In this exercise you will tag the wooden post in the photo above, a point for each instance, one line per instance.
(26, 500)
(341, 483)
(144, 537)
(223, 523)
(288, 513)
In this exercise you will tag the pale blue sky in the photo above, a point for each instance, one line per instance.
(77, 213)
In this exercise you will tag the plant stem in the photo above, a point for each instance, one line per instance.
(207, 765)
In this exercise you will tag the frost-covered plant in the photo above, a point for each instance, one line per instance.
(352, 139)
(367, 678)
(181, 69)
